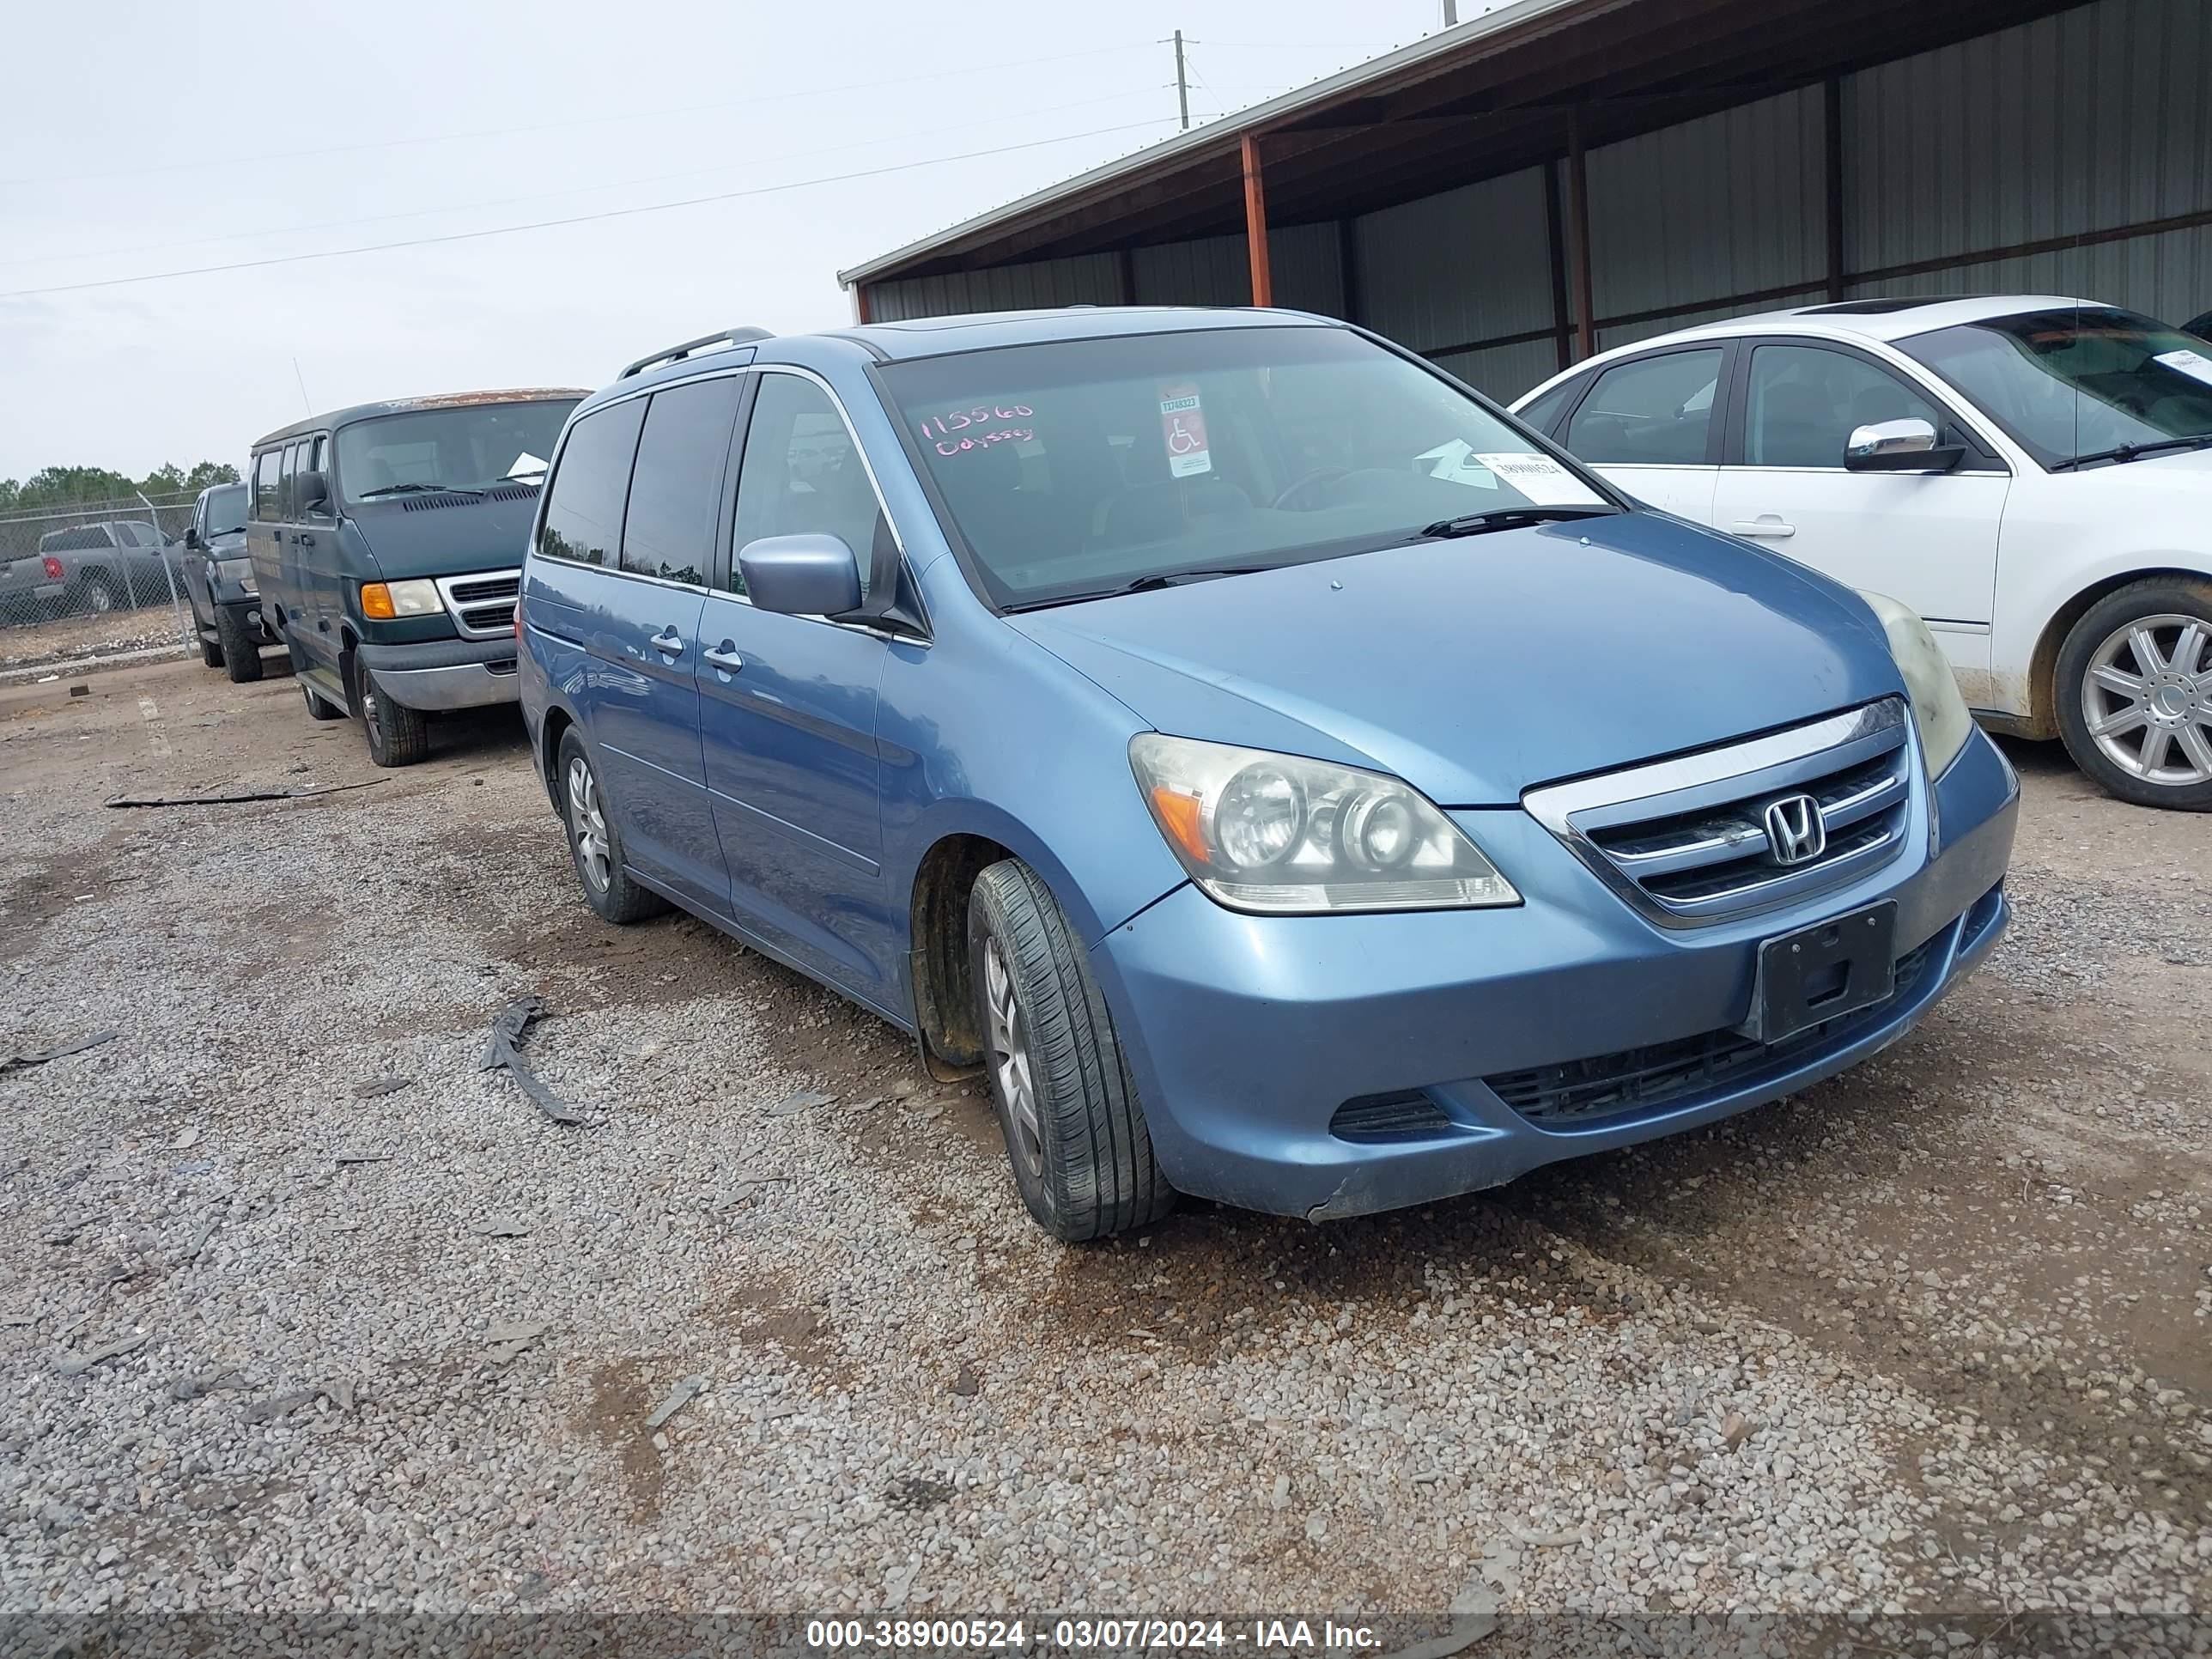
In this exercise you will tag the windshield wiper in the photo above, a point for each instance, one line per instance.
(2125, 453)
(1174, 578)
(414, 488)
(1511, 518)
(536, 474)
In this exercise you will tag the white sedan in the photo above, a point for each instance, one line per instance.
(2032, 474)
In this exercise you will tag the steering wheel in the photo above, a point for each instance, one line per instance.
(1319, 476)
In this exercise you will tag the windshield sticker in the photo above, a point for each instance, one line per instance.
(525, 465)
(1457, 462)
(1183, 429)
(1542, 480)
(2193, 364)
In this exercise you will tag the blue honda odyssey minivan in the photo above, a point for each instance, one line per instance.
(1290, 779)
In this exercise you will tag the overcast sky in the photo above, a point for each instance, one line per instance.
(139, 136)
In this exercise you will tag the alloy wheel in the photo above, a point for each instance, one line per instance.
(2146, 699)
(588, 823)
(1009, 1055)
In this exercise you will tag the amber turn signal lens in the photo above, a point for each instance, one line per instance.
(376, 601)
(1179, 815)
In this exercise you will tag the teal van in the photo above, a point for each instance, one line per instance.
(386, 542)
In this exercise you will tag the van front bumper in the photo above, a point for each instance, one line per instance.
(436, 675)
(1334, 1066)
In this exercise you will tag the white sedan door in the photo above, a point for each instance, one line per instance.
(1647, 424)
(1928, 538)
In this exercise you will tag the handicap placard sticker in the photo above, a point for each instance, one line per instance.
(1542, 480)
(1183, 429)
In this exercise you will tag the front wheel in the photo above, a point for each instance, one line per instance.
(397, 735)
(2134, 689)
(240, 654)
(1074, 1129)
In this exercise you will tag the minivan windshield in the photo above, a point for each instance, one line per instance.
(2080, 383)
(226, 509)
(1076, 468)
(468, 447)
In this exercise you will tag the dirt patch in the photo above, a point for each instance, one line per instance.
(765, 1312)
(622, 1399)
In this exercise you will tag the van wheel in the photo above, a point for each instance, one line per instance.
(397, 735)
(595, 845)
(1075, 1131)
(239, 655)
(2134, 689)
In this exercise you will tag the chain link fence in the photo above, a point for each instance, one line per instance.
(93, 579)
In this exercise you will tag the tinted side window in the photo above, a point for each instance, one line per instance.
(675, 488)
(802, 473)
(1805, 402)
(312, 459)
(264, 483)
(286, 503)
(1546, 409)
(1655, 411)
(584, 513)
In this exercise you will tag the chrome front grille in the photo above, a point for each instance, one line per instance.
(1688, 842)
(482, 603)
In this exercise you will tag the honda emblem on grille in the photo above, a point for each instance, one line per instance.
(1796, 831)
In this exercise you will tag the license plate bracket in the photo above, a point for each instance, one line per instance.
(1815, 974)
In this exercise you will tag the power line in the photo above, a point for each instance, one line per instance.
(571, 121)
(577, 219)
(548, 195)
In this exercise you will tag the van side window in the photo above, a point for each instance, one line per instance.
(313, 460)
(264, 483)
(286, 504)
(802, 473)
(676, 489)
(584, 505)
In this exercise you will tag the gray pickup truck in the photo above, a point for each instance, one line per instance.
(87, 568)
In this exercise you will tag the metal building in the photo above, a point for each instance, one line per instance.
(1559, 176)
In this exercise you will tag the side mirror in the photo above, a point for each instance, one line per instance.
(1907, 446)
(808, 575)
(191, 539)
(310, 490)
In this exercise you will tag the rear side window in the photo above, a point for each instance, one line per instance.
(802, 473)
(584, 511)
(1654, 411)
(675, 488)
(264, 483)
(1546, 409)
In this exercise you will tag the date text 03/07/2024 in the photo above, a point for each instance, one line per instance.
(1087, 1635)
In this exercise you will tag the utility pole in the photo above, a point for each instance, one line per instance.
(1183, 82)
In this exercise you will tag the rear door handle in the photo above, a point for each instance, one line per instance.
(725, 658)
(669, 642)
(307, 541)
(1766, 525)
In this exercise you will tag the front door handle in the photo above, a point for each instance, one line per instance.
(307, 541)
(668, 642)
(725, 658)
(1766, 524)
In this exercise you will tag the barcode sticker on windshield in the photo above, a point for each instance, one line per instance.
(2193, 364)
(1542, 480)
(1183, 429)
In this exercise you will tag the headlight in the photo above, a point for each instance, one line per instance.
(1937, 709)
(386, 600)
(237, 570)
(1276, 834)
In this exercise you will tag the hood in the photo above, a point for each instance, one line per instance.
(1477, 668)
(447, 535)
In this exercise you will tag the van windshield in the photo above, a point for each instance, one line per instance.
(1075, 468)
(470, 447)
(2083, 384)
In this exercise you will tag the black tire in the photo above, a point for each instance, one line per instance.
(240, 654)
(2178, 601)
(397, 735)
(612, 894)
(210, 655)
(95, 593)
(1084, 1168)
(318, 710)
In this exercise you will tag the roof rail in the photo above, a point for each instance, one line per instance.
(677, 354)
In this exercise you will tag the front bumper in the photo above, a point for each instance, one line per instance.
(442, 674)
(1248, 1034)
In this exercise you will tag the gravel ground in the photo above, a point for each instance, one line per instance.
(1931, 1338)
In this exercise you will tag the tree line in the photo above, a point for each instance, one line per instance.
(71, 486)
